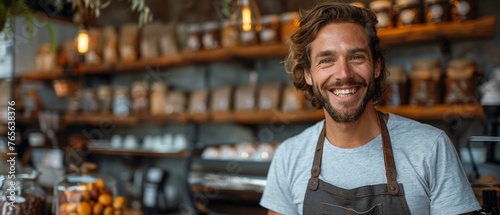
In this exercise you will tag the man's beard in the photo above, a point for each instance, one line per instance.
(350, 116)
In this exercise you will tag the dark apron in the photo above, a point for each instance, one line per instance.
(324, 198)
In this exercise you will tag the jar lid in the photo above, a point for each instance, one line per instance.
(403, 3)
(289, 16)
(357, 4)
(210, 25)
(121, 90)
(194, 28)
(460, 69)
(461, 63)
(428, 64)
(270, 18)
(426, 69)
(380, 4)
(397, 74)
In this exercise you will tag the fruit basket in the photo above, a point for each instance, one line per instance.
(87, 194)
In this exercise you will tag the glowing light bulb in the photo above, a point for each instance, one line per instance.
(82, 41)
(246, 16)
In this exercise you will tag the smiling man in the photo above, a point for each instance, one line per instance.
(358, 160)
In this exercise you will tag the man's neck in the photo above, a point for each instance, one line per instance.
(355, 134)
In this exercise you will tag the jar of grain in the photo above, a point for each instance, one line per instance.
(20, 194)
(140, 98)
(270, 29)
(89, 101)
(436, 11)
(211, 35)
(105, 98)
(460, 83)
(396, 92)
(409, 12)
(383, 11)
(193, 41)
(425, 83)
(462, 10)
(229, 34)
(121, 101)
(158, 98)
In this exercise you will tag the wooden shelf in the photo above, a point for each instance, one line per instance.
(129, 120)
(438, 112)
(144, 153)
(477, 28)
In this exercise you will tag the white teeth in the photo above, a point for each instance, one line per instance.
(344, 92)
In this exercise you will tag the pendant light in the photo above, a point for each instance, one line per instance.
(82, 41)
(247, 15)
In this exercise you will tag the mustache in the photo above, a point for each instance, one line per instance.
(347, 82)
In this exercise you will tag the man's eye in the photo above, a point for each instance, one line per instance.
(325, 61)
(357, 57)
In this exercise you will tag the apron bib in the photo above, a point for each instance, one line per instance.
(325, 198)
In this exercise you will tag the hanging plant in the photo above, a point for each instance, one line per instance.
(90, 9)
(12, 8)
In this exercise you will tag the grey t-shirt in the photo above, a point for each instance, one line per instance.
(426, 161)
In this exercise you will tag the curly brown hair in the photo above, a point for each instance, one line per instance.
(298, 61)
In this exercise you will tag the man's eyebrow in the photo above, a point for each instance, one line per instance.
(331, 52)
(324, 53)
(355, 50)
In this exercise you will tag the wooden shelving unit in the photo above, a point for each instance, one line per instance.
(138, 152)
(478, 28)
(438, 112)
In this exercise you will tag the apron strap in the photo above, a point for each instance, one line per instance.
(390, 164)
(316, 168)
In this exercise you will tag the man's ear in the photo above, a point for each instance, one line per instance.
(307, 77)
(377, 69)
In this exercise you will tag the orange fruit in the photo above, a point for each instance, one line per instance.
(118, 202)
(105, 199)
(83, 208)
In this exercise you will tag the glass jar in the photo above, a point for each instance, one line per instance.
(105, 97)
(409, 12)
(383, 11)
(193, 41)
(158, 98)
(86, 194)
(211, 35)
(462, 10)
(425, 83)
(396, 87)
(121, 101)
(436, 11)
(248, 37)
(460, 83)
(20, 194)
(289, 23)
(89, 101)
(270, 29)
(140, 98)
(229, 34)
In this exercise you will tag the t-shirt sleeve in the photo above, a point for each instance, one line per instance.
(277, 195)
(450, 190)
